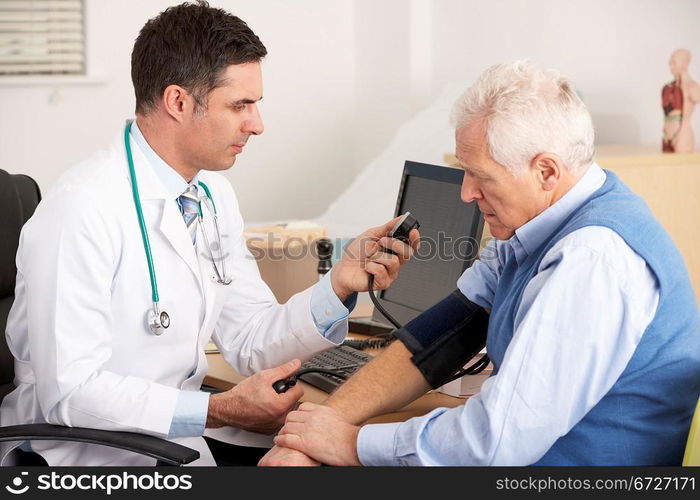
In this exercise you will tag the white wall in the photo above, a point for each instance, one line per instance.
(343, 75)
(616, 51)
(308, 104)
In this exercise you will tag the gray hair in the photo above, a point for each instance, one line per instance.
(528, 110)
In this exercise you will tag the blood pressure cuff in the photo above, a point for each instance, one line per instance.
(445, 337)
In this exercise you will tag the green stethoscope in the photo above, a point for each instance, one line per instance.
(156, 319)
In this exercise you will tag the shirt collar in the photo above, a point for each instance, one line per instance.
(531, 235)
(173, 182)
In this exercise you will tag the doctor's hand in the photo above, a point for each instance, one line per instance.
(286, 457)
(319, 432)
(253, 405)
(364, 256)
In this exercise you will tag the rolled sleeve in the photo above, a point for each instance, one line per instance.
(190, 417)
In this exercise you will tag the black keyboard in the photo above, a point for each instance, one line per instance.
(345, 359)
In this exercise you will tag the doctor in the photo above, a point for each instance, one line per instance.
(137, 259)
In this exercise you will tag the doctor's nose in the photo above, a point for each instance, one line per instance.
(254, 124)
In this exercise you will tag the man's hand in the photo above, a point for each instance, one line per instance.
(253, 404)
(319, 432)
(285, 457)
(365, 256)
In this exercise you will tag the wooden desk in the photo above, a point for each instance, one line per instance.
(222, 376)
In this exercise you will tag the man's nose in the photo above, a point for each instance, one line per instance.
(254, 124)
(470, 190)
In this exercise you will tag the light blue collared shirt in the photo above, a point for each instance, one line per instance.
(328, 312)
(577, 326)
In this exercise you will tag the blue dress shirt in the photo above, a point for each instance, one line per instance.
(521, 412)
(328, 312)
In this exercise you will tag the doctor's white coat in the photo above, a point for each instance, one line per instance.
(84, 354)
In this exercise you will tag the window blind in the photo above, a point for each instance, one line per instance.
(42, 37)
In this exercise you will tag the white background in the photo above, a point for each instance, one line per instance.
(343, 75)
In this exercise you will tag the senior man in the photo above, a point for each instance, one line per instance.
(593, 329)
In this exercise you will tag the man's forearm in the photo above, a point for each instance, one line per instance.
(216, 413)
(385, 384)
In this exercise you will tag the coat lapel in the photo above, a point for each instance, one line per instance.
(173, 228)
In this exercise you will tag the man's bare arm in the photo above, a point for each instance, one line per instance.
(385, 384)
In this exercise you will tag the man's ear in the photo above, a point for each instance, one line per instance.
(177, 102)
(549, 169)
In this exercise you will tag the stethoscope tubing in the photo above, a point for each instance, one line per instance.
(156, 320)
(139, 213)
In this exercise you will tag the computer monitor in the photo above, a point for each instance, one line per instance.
(450, 237)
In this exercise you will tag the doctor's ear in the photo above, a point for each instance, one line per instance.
(177, 102)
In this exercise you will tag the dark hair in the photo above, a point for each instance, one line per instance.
(189, 45)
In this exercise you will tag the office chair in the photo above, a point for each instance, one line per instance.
(692, 447)
(19, 196)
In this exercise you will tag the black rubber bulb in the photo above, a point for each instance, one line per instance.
(283, 385)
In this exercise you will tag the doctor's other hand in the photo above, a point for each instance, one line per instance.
(319, 432)
(253, 405)
(365, 255)
(286, 457)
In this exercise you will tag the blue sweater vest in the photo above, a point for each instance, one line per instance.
(645, 417)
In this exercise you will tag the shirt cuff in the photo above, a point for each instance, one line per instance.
(375, 444)
(328, 312)
(190, 417)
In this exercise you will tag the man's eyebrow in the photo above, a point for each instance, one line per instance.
(246, 101)
(464, 166)
(475, 171)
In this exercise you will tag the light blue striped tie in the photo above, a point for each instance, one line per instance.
(189, 207)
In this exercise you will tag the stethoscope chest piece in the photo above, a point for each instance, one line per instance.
(158, 321)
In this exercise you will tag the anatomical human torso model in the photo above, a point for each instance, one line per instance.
(678, 99)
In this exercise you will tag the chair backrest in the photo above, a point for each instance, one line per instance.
(692, 448)
(19, 196)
